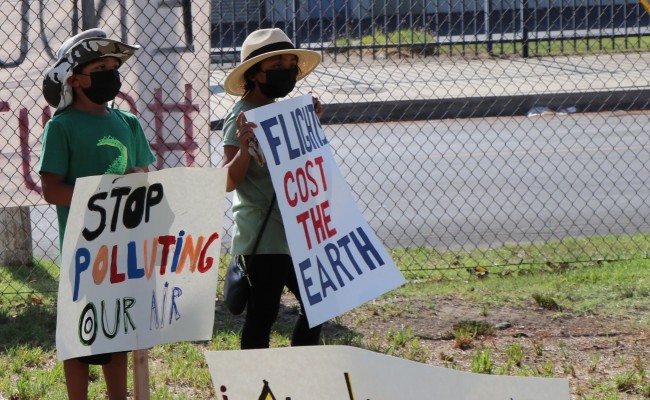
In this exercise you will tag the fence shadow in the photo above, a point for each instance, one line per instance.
(28, 306)
(29, 325)
(23, 281)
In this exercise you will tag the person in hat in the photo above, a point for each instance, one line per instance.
(270, 66)
(85, 137)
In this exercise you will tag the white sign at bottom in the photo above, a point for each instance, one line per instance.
(342, 373)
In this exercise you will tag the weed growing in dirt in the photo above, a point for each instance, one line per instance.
(466, 331)
(482, 361)
(546, 302)
(515, 354)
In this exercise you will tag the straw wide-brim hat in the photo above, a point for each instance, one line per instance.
(82, 48)
(262, 44)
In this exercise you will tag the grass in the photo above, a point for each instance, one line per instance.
(482, 361)
(179, 371)
(551, 256)
(421, 42)
(465, 332)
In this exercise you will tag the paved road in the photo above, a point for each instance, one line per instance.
(488, 182)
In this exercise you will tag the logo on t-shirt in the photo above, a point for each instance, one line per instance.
(118, 166)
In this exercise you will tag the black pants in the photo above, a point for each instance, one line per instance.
(269, 274)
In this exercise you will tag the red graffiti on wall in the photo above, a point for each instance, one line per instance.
(25, 151)
(160, 145)
(188, 145)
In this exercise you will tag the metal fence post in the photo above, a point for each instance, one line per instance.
(488, 29)
(525, 49)
(88, 14)
(296, 23)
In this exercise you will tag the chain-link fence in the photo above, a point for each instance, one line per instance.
(473, 133)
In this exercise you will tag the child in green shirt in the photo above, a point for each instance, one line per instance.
(85, 138)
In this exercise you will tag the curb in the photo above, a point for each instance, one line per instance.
(478, 107)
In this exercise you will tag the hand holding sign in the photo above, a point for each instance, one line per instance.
(318, 107)
(248, 140)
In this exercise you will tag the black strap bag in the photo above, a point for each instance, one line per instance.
(237, 284)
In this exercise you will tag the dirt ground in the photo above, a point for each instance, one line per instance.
(590, 351)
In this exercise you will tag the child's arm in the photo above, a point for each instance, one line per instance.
(135, 170)
(55, 190)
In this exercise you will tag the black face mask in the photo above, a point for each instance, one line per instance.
(279, 82)
(104, 86)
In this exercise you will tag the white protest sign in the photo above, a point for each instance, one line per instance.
(140, 261)
(341, 372)
(340, 263)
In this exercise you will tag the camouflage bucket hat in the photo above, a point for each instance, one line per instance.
(87, 46)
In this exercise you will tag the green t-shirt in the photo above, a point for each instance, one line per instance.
(78, 144)
(251, 201)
